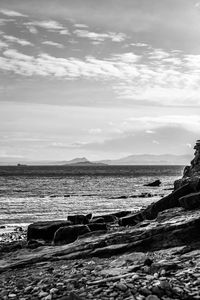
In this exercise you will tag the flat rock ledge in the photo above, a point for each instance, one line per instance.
(157, 259)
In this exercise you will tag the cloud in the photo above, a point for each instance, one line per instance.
(95, 131)
(64, 32)
(49, 25)
(154, 77)
(50, 43)
(100, 37)
(139, 44)
(17, 40)
(3, 44)
(141, 142)
(150, 124)
(32, 29)
(11, 13)
(81, 25)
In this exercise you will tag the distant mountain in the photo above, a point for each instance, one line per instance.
(150, 159)
(78, 160)
(140, 159)
(83, 162)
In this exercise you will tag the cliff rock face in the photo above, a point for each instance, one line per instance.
(194, 168)
(191, 174)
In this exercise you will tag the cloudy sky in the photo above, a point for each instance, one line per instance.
(101, 79)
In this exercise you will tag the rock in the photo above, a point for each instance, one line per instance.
(97, 226)
(148, 262)
(12, 296)
(191, 201)
(33, 244)
(121, 214)
(131, 220)
(154, 183)
(121, 286)
(79, 219)
(44, 230)
(191, 174)
(72, 296)
(97, 220)
(170, 201)
(194, 169)
(145, 291)
(106, 218)
(42, 294)
(152, 297)
(68, 234)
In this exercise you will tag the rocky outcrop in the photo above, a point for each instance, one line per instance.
(191, 201)
(191, 174)
(79, 219)
(154, 183)
(45, 230)
(68, 234)
(151, 212)
(106, 218)
(177, 228)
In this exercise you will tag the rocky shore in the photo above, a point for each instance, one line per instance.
(149, 255)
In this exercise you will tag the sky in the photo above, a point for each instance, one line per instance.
(98, 79)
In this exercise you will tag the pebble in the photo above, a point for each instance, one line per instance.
(42, 294)
(12, 296)
(121, 286)
(152, 297)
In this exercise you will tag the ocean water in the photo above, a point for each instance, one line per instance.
(33, 193)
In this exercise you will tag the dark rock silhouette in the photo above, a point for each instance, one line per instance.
(191, 201)
(79, 219)
(97, 220)
(98, 226)
(68, 234)
(45, 230)
(154, 183)
(107, 218)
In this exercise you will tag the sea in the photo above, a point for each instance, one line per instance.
(37, 193)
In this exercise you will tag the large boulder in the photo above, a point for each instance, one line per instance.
(79, 219)
(151, 212)
(170, 201)
(97, 220)
(107, 218)
(121, 214)
(98, 226)
(191, 201)
(68, 234)
(131, 220)
(154, 183)
(45, 230)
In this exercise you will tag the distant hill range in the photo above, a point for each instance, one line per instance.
(150, 159)
(83, 162)
(140, 159)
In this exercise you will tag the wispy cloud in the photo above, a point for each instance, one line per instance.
(100, 37)
(49, 25)
(81, 25)
(11, 13)
(150, 124)
(14, 39)
(157, 77)
(50, 43)
(3, 44)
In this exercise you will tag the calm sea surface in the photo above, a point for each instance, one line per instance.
(33, 193)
